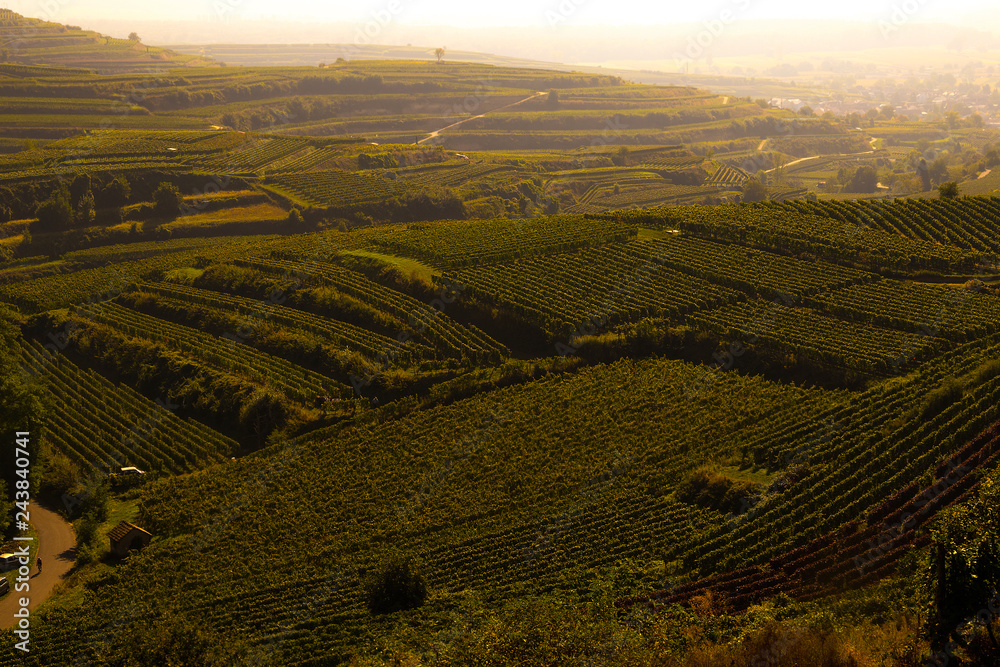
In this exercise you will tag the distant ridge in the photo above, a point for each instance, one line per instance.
(32, 41)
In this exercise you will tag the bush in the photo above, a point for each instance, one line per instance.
(948, 190)
(397, 586)
(167, 199)
(713, 490)
(754, 190)
(56, 211)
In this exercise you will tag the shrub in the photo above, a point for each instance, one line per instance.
(713, 490)
(56, 211)
(397, 586)
(167, 199)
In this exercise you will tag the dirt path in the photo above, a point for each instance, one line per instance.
(760, 146)
(984, 174)
(57, 549)
(435, 133)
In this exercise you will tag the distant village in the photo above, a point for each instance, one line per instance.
(980, 106)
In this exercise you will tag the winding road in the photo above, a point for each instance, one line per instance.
(57, 549)
(816, 157)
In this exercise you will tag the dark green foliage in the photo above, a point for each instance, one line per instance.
(262, 412)
(56, 212)
(85, 209)
(936, 401)
(167, 199)
(863, 180)
(80, 186)
(95, 511)
(396, 586)
(171, 638)
(963, 567)
(754, 190)
(115, 193)
(20, 410)
(378, 161)
(716, 491)
(948, 190)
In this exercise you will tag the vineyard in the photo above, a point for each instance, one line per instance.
(98, 284)
(809, 334)
(972, 223)
(615, 283)
(228, 354)
(460, 243)
(258, 313)
(533, 356)
(728, 175)
(779, 225)
(499, 538)
(431, 327)
(936, 310)
(104, 425)
(332, 187)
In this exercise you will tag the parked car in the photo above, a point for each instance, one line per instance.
(130, 471)
(4, 586)
(9, 562)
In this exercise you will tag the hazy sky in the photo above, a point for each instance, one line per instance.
(511, 12)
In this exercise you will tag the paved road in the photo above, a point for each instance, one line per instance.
(435, 133)
(816, 157)
(57, 548)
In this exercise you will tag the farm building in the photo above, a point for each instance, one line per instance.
(126, 536)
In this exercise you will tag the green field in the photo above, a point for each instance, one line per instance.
(598, 377)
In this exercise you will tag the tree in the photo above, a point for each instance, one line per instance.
(167, 199)
(924, 175)
(938, 170)
(115, 193)
(871, 115)
(948, 190)
(133, 37)
(85, 209)
(81, 184)
(439, 53)
(864, 180)
(754, 190)
(553, 99)
(807, 111)
(396, 586)
(56, 212)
